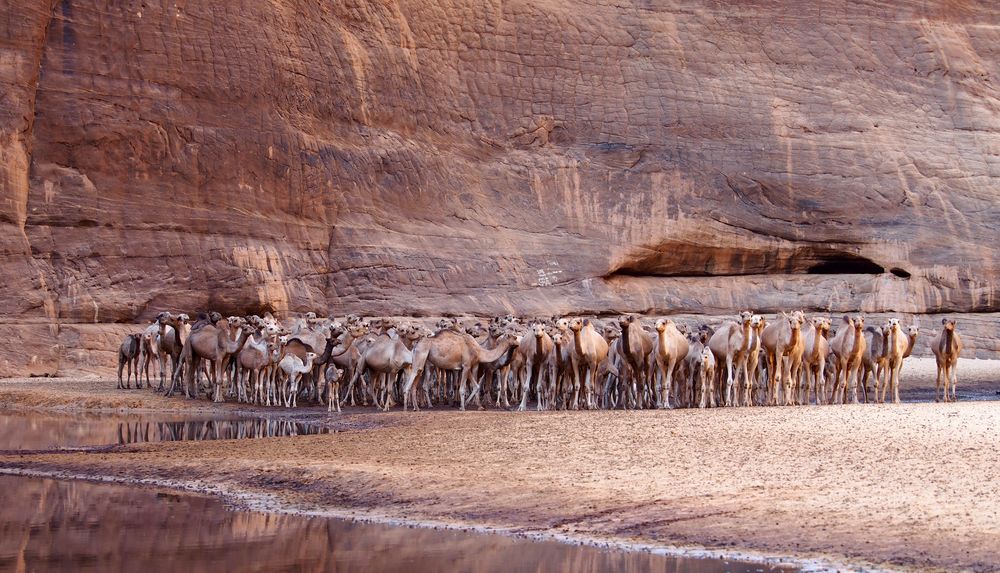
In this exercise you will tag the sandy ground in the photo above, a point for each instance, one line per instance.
(910, 485)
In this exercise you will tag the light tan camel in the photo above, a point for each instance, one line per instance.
(637, 355)
(535, 359)
(731, 343)
(384, 359)
(293, 368)
(453, 351)
(589, 351)
(897, 344)
(849, 348)
(128, 355)
(783, 350)
(670, 350)
(147, 350)
(947, 346)
(706, 375)
(817, 348)
(333, 374)
(757, 326)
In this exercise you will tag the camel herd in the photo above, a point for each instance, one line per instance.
(557, 363)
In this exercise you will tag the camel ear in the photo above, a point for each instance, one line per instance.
(944, 321)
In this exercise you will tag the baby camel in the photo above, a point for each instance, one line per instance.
(294, 368)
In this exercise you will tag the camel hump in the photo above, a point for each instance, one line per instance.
(308, 346)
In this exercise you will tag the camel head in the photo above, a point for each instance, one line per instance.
(745, 317)
(577, 324)
(357, 330)
(163, 317)
(859, 322)
(626, 320)
(336, 328)
(538, 329)
(476, 329)
(948, 324)
(558, 338)
(893, 324)
(661, 324)
(353, 319)
(214, 317)
(562, 324)
(310, 316)
(756, 320)
(913, 330)
(611, 333)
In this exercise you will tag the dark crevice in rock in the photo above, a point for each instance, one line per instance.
(846, 264)
(900, 273)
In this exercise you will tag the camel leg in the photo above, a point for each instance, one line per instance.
(668, 385)
(529, 369)
(575, 404)
(462, 386)
(953, 370)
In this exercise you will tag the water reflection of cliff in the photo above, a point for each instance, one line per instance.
(48, 525)
(34, 430)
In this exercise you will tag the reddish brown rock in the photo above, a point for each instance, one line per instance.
(467, 156)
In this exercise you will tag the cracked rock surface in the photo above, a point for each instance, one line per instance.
(464, 156)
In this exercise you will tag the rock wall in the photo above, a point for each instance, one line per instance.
(469, 156)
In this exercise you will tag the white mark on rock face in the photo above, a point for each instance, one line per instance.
(138, 14)
(546, 278)
(50, 191)
(588, 286)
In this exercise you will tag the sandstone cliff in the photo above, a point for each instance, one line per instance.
(540, 156)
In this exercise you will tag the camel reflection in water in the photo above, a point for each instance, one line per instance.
(135, 432)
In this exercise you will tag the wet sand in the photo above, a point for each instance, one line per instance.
(909, 485)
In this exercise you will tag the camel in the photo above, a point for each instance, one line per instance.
(589, 351)
(253, 360)
(333, 375)
(814, 358)
(170, 331)
(535, 358)
(757, 326)
(875, 360)
(706, 375)
(849, 348)
(453, 351)
(294, 368)
(897, 344)
(671, 349)
(636, 352)
(946, 346)
(731, 343)
(215, 343)
(385, 358)
(147, 350)
(783, 349)
(128, 355)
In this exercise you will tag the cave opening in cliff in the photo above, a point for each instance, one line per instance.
(845, 264)
(900, 273)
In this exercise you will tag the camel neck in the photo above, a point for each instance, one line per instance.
(578, 340)
(625, 339)
(539, 347)
(949, 341)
